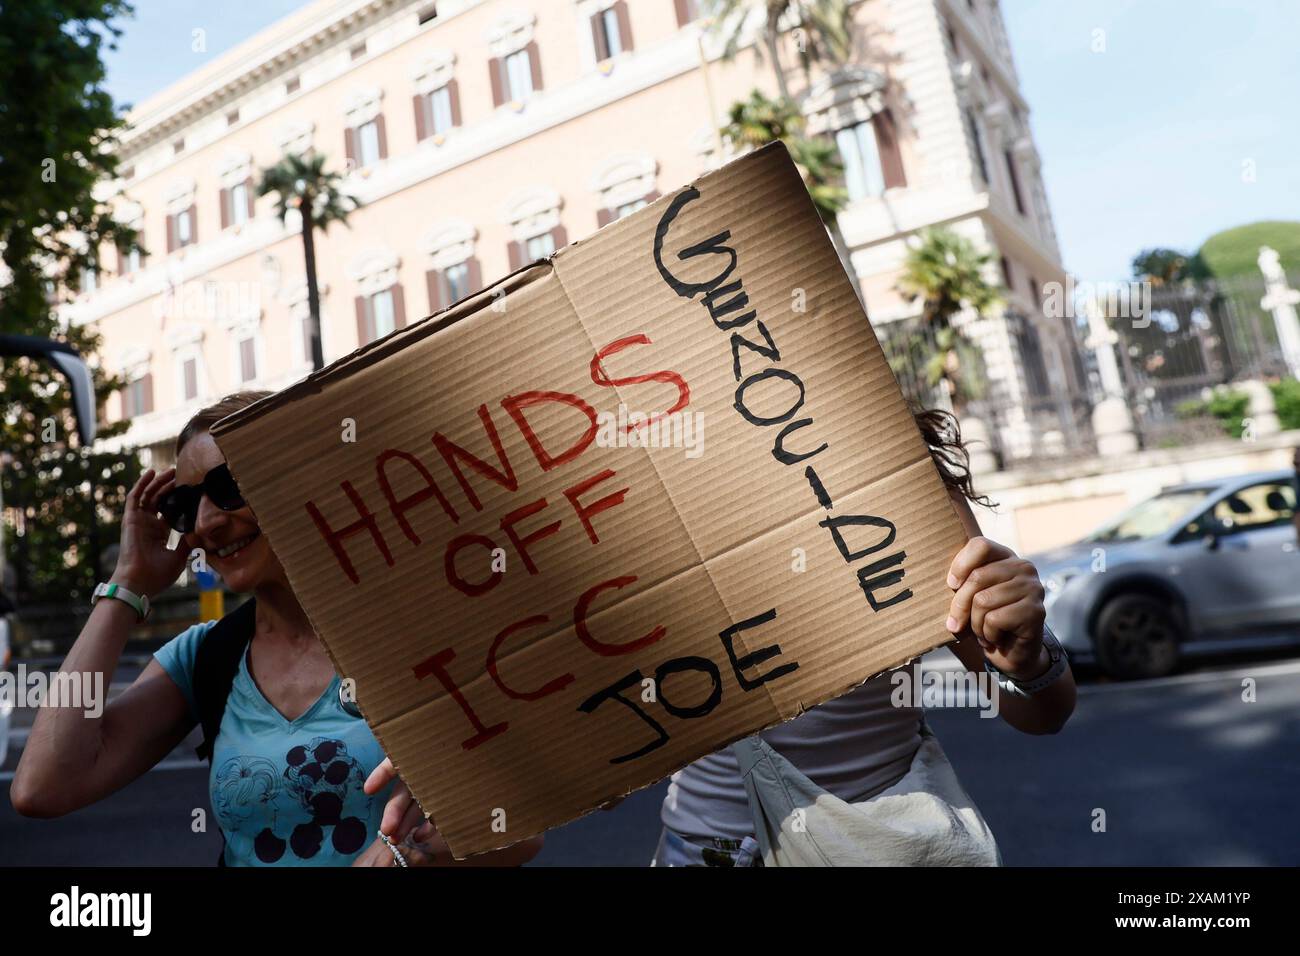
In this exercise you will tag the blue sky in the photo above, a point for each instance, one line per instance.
(1143, 144)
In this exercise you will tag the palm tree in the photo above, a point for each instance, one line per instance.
(302, 183)
(946, 272)
(825, 25)
(758, 121)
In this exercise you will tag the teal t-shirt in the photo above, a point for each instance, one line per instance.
(284, 792)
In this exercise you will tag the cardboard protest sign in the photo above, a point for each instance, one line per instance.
(619, 509)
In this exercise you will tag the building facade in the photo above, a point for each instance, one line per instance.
(482, 134)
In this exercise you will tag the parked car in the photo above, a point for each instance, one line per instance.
(1201, 567)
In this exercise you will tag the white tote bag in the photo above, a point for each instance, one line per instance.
(926, 819)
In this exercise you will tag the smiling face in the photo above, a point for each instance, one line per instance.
(233, 544)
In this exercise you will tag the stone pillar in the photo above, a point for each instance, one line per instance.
(1260, 411)
(975, 435)
(1112, 424)
(1280, 299)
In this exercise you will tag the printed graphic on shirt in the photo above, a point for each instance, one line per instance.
(317, 796)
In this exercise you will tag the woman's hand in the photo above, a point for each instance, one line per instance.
(1000, 598)
(403, 823)
(144, 564)
(422, 847)
(416, 837)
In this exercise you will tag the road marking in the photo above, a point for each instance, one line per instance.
(1272, 670)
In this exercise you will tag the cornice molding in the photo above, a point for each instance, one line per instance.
(169, 117)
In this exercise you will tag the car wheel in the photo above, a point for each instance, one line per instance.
(1137, 636)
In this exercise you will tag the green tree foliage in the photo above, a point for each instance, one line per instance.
(57, 129)
(1235, 252)
(1168, 266)
(758, 120)
(825, 33)
(1226, 405)
(945, 272)
(1286, 402)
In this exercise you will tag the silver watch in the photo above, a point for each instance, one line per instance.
(1027, 688)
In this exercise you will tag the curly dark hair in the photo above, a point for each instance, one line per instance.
(942, 433)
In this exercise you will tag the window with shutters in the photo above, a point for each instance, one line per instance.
(437, 113)
(239, 201)
(440, 116)
(624, 183)
(236, 200)
(539, 247)
(437, 95)
(514, 66)
(382, 316)
(457, 279)
(533, 215)
(610, 30)
(610, 33)
(128, 260)
(247, 359)
(367, 140)
(519, 76)
(453, 271)
(628, 208)
(379, 314)
(189, 379)
(977, 143)
(1030, 347)
(1014, 177)
(183, 223)
(870, 156)
(137, 397)
(860, 156)
(687, 10)
(379, 301)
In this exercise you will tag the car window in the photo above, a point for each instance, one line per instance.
(1264, 505)
(1152, 517)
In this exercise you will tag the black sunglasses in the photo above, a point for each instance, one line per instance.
(180, 506)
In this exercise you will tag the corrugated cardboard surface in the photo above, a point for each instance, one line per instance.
(696, 545)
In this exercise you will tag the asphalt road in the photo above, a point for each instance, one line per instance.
(1185, 771)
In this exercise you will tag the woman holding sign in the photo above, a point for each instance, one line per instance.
(297, 778)
(860, 780)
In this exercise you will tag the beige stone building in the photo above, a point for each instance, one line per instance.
(480, 134)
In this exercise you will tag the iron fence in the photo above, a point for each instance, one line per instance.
(1174, 348)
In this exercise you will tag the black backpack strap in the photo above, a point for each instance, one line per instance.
(215, 665)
